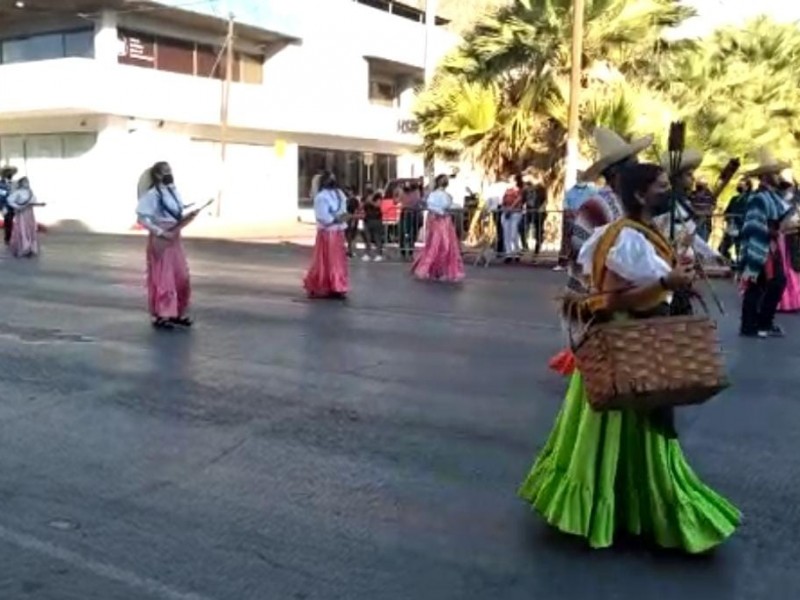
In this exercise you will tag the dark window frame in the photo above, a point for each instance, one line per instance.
(62, 33)
(201, 58)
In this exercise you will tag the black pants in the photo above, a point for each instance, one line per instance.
(500, 246)
(373, 236)
(729, 242)
(8, 225)
(539, 219)
(409, 231)
(350, 234)
(762, 297)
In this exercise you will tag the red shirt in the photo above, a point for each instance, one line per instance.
(512, 199)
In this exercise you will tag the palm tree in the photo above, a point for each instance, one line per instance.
(737, 90)
(521, 53)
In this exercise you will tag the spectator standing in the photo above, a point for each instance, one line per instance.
(373, 228)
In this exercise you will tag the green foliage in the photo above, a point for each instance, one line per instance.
(501, 97)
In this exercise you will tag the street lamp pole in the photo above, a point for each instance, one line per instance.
(431, 8)
(573, 152)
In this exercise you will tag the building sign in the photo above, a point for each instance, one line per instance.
(407, 126)
(136, 49)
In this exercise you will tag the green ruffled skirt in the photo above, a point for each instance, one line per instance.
(604, 472)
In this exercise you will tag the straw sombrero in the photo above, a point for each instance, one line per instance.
(691, 159)
(611, 149)
(768, 164)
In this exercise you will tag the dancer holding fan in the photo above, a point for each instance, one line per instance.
(162, 212)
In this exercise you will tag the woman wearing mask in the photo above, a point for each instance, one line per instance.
(601, 473)
(327, 276)
(441, 258)
(24, 240)
(162, 213)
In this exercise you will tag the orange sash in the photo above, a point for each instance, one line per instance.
(599, 301)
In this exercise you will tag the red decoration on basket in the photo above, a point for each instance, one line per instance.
(563, 363)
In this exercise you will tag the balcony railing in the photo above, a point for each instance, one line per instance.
(85, 86)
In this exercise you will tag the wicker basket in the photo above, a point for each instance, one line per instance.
(648, 363)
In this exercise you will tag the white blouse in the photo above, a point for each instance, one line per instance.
(328, 205)
(686, 227)
(160, 208)
(439, 202)
(21, 198)
(632, 257)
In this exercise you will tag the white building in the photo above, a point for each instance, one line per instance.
(94, 91)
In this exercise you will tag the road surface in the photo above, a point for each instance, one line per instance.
(291, 450)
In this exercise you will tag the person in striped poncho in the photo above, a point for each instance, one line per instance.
(762, 274)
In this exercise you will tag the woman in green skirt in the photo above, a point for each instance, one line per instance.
(604, 472)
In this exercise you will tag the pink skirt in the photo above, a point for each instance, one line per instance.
(790, 301)
(24, 236)
(440, 260)
(169, 288)
(328, 273)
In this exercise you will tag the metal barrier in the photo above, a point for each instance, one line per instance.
(480, 230)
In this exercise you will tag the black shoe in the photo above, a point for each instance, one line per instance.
(164, 324)
(775, 332)
(182, 322)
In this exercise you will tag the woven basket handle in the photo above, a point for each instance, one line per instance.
(585, 325)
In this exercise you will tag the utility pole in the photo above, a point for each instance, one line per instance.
(224, 110)
(431, 8)
(573, 126)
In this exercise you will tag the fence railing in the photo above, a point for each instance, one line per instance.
(400, 230)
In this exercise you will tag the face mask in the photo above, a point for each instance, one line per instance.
(662, 204)
(168, 179)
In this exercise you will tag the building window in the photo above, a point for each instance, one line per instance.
(79, 43)
(188, 58)
(176, 56)
(401, 10)
(361, 171)
(382, 91)
(48, 46)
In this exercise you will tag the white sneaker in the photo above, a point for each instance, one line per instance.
(366, 258)
(377, 259)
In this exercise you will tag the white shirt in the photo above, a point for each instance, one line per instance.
(328, 205)
(160, 208)
(686, 229)
(21, 198)
(458, 191)
(439, 201)
(632, 257)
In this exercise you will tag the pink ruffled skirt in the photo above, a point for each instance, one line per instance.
(790, 301)
(24, 236)
(328, 274)
(169, 288)
(440, 260)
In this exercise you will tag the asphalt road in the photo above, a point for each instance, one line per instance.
(291, 450)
